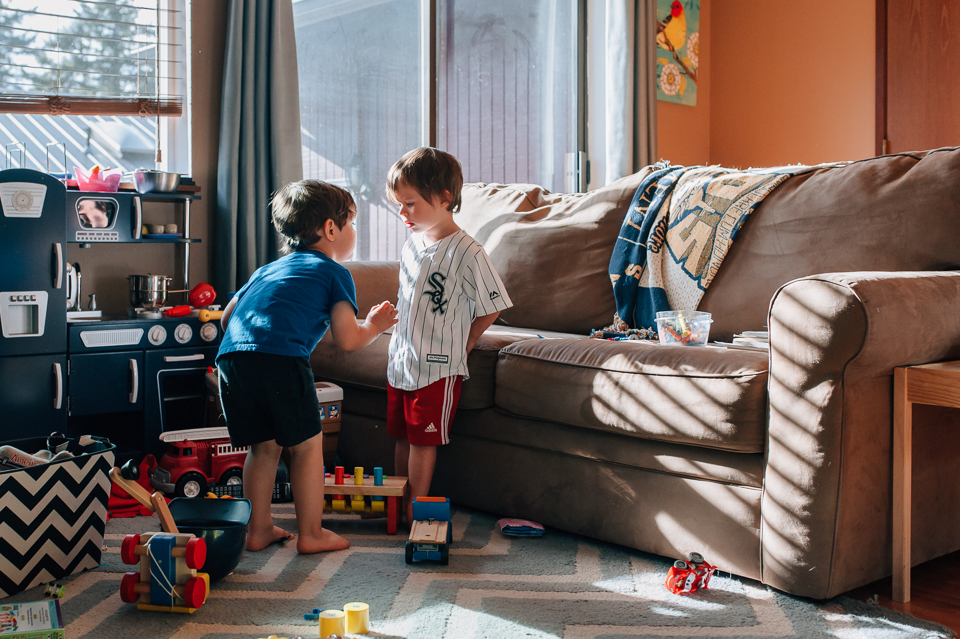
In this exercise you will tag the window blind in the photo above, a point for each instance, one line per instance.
(92, 57)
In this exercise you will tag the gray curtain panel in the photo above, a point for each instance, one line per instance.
(631, 90)
(259, 136)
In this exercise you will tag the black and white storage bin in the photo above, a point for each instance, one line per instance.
(52, 516)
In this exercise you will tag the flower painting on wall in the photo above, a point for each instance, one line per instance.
(678, 50)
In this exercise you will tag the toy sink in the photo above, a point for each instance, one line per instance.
(221, 523)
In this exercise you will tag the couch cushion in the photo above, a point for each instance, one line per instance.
(709, 396)
(610, 447)
(551, 250)
(368, 366)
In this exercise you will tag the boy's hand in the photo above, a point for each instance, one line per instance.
(383, 316)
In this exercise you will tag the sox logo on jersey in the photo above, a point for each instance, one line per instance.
(436, 281)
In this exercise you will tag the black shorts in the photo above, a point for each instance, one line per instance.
(268, 397)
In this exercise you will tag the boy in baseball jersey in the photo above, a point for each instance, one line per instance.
(270, 327)
(449, 295)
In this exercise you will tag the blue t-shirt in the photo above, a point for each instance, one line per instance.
(284, 308)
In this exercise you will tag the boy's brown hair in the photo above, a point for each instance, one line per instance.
(300, 210)
(429, 171)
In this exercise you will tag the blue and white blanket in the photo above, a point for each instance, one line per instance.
(679, 227)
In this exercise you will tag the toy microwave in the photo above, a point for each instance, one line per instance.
(94, 216)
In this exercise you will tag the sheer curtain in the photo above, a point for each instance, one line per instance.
(631, 93)
(259, 136)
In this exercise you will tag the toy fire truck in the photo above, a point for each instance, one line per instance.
(197, 459)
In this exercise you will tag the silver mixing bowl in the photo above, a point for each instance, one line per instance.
(156, 181)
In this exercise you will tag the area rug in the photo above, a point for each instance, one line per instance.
(558, 585)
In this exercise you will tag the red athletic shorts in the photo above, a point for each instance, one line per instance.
(423, 416)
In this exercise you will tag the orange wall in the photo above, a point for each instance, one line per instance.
(683, 132)
(785, 82)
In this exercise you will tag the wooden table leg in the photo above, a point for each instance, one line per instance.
(902, 477)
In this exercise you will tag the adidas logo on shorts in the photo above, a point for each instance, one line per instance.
(430, 429)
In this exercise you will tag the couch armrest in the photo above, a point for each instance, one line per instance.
(376, 282)
(834, 342)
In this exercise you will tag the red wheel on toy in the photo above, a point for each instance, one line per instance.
(195, 592)
(196, 553)
(128, 549)
(128, 594)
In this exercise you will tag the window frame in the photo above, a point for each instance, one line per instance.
(171, 106)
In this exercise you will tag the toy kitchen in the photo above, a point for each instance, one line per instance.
(127, 377)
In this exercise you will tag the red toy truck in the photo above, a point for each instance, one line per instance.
(195, 460)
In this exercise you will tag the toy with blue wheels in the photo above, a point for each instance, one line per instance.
(431, 532)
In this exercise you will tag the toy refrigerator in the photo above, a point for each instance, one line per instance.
(33, 331)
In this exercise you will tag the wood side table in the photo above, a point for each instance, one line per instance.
(935, 384)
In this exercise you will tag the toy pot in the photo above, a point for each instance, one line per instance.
(221, 523)
(149, 291)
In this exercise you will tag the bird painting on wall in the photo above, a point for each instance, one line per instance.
(678, 39)
(672, 30)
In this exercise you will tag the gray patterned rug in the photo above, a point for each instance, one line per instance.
(559, 585)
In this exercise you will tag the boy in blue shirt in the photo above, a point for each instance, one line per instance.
(270, 328)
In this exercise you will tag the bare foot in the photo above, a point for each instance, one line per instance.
(326, 542)
(257, 541)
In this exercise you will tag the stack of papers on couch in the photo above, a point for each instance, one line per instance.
(750, 341)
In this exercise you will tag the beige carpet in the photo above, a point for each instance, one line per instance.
(559, 585)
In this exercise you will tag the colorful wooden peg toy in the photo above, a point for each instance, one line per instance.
(383, 495)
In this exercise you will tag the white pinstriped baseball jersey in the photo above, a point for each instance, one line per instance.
(442, 288)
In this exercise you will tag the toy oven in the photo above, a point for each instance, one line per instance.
(103, 217)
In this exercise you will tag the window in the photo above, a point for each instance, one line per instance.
(82, 84)
(495, 82)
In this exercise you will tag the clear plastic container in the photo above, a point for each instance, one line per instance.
(106, 181)
(686, 328)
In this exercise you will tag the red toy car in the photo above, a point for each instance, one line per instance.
(690, 575)
(197, 459)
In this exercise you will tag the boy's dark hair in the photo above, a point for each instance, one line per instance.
(429, 171)
(300, 210)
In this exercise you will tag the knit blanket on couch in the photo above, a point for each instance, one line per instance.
(678, 228)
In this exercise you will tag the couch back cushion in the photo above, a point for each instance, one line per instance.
(891, 213)
(552, 250)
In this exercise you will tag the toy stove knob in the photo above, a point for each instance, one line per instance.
(157, 335)
(208, 332)
(183, 333)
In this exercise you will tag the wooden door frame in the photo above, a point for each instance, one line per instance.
(881, 78)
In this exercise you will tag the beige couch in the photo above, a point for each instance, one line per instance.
(774, 468)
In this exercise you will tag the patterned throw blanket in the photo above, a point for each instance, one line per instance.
(679, 227)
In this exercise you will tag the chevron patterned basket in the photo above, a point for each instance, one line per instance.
(52, 516)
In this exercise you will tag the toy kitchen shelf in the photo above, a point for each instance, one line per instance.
(184, 198)
(186, 240)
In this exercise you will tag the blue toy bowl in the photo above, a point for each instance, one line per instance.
(221, 523)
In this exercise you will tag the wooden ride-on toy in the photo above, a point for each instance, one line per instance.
(168, 580)
(430, 533)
